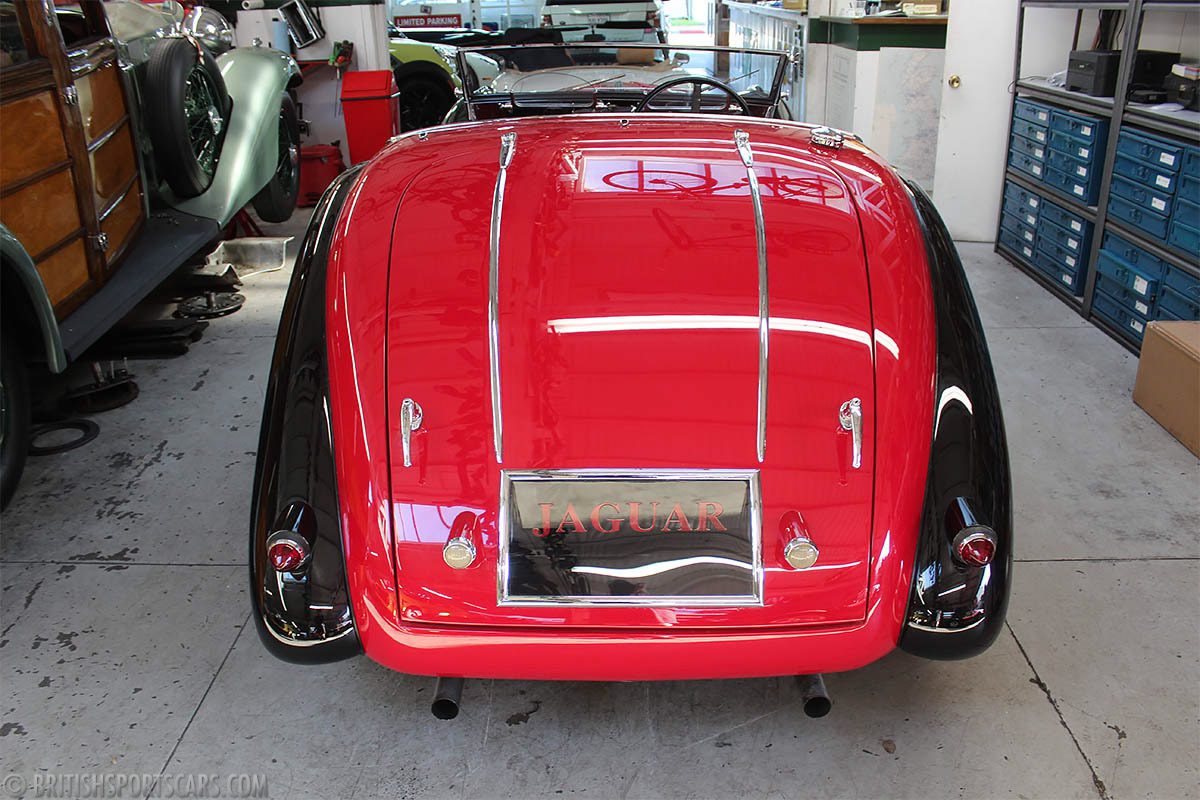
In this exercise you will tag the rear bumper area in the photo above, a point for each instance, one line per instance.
(532, 654)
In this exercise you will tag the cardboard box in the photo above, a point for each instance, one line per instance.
(1168, 379)
(796, 5)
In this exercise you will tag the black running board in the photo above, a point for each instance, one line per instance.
(166, 242)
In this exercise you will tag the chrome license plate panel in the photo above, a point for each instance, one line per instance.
(698, 540)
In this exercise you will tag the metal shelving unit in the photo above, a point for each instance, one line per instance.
(1042, 89)
(1184, 125)
(1016, 176)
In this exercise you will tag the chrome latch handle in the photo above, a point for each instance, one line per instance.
(410, 420)
(850, 417)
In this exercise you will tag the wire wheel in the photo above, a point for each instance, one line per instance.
(204, 120)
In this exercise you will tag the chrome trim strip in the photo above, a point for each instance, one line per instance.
(508, 146)
(104, 137)
(133, 182)
(741, 140)
(507, 477)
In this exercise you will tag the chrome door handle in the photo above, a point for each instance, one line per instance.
(850, 417)
(410, 420)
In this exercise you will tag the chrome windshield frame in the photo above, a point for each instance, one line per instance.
(469, 84)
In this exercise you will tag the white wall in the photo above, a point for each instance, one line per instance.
(1174, 31)
(973, 127)
(320, 94)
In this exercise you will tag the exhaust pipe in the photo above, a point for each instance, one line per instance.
(446, 697)
(813, 695)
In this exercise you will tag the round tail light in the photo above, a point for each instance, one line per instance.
(975, 547)
(286, 551)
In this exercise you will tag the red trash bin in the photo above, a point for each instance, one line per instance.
(319, 165)
(372, 111)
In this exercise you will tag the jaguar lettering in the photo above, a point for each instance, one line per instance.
(609, 517)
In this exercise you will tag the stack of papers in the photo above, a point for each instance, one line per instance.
(1189, 71)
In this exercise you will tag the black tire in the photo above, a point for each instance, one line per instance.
(424, 102)
(14, 416)
(276, 201)
(182, 80)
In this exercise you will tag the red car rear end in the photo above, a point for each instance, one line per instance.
(601, 406)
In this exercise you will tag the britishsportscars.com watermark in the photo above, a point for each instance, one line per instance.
(140, 785)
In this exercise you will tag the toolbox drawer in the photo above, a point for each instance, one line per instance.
(1080, 170)
(1138, 217)
(1079, 126)
(1025, 163)
(1020, 210)
(1076, 148)
(1183, 283)
(1157, 201)
(1018, 228)
(1032, 111)
(1029, 147)
(1143, 285)
(1144, 261)
(1083, 191)
(1066, 219)
(1052, 269)
(1187, 212)
(1114, 313)
(1017, 247)
(1061, 255)
(1165, 314)
(1189, 188)
(1160, 152)
(1069, 241)
(1030, 130)
(1184, 237)
(1191, 162)
(1178, 306)
(1138, 306)
(1145, 173)
(1023, 199)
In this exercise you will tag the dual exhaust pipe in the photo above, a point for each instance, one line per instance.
(447, 696)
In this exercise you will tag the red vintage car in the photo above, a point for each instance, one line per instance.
(629, 379)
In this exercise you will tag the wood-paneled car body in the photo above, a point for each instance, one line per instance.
(125, 147)
(629, 396)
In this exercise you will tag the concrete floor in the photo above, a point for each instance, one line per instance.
(126, 644)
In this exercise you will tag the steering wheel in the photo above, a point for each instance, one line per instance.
(698, 83)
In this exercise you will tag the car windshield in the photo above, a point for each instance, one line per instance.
(598, 75)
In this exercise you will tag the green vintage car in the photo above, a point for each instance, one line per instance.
(130, 136)
(427, 78)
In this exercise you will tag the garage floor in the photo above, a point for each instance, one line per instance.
(126, 644)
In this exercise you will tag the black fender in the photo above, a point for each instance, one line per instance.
(303, 616)
(954, 610)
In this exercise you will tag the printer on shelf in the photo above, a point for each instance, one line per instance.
(1093, 72)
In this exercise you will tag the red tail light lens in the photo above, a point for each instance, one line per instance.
(286, 551)
(975, 548)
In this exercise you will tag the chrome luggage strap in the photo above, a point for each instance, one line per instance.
(508, 146)
(741, 140)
